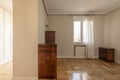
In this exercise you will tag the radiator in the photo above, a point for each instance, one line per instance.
(80, 52)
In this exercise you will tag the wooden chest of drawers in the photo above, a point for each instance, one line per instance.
(47, 61)
(106, 54)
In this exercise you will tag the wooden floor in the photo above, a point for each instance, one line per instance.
(6, 71)
(76, 69)
(86, 69)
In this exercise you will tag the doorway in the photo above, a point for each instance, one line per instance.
(5, 36)
(5, 33)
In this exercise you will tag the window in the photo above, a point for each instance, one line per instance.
(80, 31)
(77, 31)
(84, 33)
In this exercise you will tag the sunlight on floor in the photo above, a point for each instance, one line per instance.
(6, 71)
(80, 76)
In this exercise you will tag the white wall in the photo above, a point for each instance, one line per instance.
(41, 23)
(25, 39)
(113, 30)
(63, 25)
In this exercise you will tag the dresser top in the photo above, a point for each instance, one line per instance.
(106, 47)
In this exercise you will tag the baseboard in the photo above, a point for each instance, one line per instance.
(96, 57)
(25, 78)
(5, 61)
(117, 61)
(73, 57)
(68, 57)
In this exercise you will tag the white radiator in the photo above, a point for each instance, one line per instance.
(80, 52)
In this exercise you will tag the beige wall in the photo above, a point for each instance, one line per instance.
(113, 30)
(98, 33)
(25, 39)
(107, 29)
(42, 22)
(63, 25)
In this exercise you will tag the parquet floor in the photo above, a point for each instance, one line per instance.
(86, 69)
(76, 69)
(6, 71)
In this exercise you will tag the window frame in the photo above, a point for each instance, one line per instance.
(81, 32)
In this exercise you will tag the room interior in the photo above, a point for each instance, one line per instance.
(74, 59)
(5, 39)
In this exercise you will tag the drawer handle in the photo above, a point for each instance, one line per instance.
(47, 58)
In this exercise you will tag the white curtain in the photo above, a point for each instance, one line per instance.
(88, 36)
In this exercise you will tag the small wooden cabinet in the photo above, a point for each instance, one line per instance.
(47, 61)
(106, 54)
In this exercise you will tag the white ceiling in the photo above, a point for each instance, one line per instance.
(81, 6)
